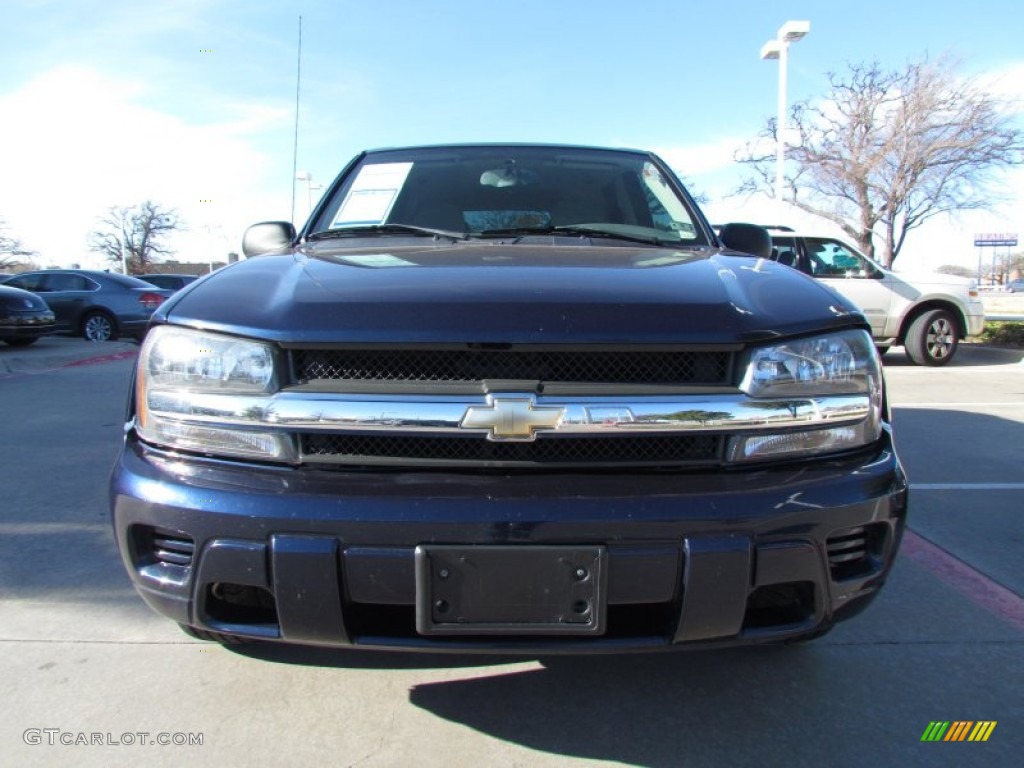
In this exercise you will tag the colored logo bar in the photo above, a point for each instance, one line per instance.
(959, 730)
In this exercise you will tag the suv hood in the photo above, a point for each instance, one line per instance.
(937, 279)
(492, 291)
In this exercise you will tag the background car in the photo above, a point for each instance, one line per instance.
(169, 281)
(97, 305)
(928, 313)
(24, 317)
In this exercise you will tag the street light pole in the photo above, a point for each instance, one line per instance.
(778, 48)
(211, 243)
(307, 177)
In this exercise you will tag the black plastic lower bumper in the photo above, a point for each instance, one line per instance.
(345, 558)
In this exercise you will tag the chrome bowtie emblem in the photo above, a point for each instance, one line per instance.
(512, 418)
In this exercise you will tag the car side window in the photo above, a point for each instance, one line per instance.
(65, 282)
(784, 251)
(832, 258)
(27, 283)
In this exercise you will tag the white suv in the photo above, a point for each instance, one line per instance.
(927, 313)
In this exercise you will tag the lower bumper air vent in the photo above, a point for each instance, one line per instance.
(855, 552)
(173, 548)
(239, 605)
(162, 556)
(779, 605)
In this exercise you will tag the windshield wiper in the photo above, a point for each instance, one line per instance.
(385, 229)
(572, 229)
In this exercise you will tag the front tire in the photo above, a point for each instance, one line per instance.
(99, 326)
(932, 338)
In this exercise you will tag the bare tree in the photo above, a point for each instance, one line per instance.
(1005, 267)
(134, 234)
(12, 252)
(1015, 262)
(884, 151)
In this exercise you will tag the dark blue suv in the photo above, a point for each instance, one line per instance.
(508, 398)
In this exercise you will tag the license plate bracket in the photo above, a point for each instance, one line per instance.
(510, 589)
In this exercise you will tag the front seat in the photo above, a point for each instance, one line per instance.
(787, 258)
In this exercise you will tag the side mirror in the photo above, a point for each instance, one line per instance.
(747, 238)
(268, 237)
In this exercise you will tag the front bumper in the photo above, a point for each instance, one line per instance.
(975, 318)
(330, 557)
(133, 326)
(26, 327)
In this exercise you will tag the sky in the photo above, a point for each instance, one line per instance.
(192, 103)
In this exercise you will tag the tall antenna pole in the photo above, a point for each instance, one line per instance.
(295, 143)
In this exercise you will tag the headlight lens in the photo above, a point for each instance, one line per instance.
(181, 359)
(841, 363)
(180, 369)
(837, 363)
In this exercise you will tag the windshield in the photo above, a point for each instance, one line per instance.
(491, 190)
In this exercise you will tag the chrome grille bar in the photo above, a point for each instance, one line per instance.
(441, 414)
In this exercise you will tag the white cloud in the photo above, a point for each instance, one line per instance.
(75, 142)
(1007, 83)
(706, 158)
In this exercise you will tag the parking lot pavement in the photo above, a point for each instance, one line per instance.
(52, 352)
(82, 655)
(960, 432)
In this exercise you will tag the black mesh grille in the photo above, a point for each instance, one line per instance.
(644, 450)
(590, 366)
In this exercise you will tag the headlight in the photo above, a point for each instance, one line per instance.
(841, 363)
(186, 378)
(181, 359)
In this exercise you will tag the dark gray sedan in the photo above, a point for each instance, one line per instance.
(24, 317)
(97, 305)
(167, 280)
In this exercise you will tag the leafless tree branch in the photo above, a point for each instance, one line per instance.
(135, 234)
(885, 151)
(12, 251)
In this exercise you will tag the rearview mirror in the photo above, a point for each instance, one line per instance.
(509, 176)
(268, 237)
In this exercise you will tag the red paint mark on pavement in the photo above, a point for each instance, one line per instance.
(995, 598)
(103, 358)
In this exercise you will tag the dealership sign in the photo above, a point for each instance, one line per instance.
(996, 239)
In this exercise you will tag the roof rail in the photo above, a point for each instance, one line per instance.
(780, 227)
